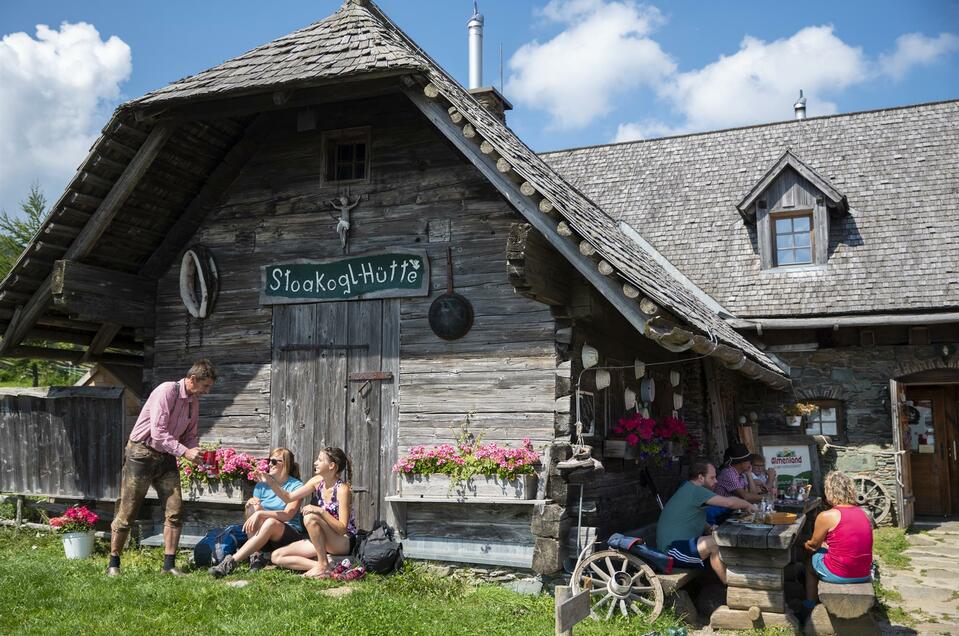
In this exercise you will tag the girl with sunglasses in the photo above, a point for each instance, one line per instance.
(329, 520)
(271, 521)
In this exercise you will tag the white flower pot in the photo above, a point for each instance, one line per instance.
(78, 545)
(477, 487)
(794, 420)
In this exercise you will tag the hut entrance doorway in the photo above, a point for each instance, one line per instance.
(334, 378)
(932, 439)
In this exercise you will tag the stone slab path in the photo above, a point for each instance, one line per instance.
(930, 586)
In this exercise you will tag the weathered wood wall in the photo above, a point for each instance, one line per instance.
(62, 441)
(421, 194)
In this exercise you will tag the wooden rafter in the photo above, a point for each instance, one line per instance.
(107, 209)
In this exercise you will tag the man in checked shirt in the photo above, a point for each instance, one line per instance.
(166, 429)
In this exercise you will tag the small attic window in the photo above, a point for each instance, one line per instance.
(793, 238)
(346, 155)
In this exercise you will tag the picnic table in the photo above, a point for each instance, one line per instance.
(756, 556)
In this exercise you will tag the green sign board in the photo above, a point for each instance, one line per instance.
(393, 274)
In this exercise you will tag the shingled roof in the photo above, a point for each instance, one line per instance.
(350, 42)
(895, 250)
(360, 41)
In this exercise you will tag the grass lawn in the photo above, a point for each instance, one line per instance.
(889, 544)
(43, 593)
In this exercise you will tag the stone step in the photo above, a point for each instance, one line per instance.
(919, 592)
(947, 581)
(942, 551)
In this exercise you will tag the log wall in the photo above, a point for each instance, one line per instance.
(421, 194)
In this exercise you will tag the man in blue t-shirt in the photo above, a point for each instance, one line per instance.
(682, 524)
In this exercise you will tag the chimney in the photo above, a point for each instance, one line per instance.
(800, 107)
(488, 96)
(475, 28)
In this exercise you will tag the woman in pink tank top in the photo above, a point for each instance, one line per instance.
(841, 543)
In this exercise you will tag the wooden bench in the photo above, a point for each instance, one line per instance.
(674, 583)
(844, 609)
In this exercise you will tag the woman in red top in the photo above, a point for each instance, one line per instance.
(841, 542)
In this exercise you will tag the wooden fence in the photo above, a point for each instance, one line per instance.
(62, 441)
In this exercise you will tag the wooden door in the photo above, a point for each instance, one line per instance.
(926, 412)
(321, 394)
(900, 426)
(952, 444)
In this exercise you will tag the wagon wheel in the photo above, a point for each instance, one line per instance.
(874, 497)
(618, 582)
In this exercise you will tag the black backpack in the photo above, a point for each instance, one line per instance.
(379, 551)
(217, 544)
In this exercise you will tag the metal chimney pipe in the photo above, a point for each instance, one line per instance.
(800, 106)
(475, 28)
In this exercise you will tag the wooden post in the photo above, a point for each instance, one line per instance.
(19, 510)
(563, 594)
(569, 609)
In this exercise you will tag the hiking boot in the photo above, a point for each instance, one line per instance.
(174, 571)
(226, 566)
(258, 562)
(113, 571)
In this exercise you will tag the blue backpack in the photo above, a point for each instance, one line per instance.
(217, 544)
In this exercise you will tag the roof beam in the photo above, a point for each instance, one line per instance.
(208, 196)
(73, 355)
(827, 322)
(91, 232)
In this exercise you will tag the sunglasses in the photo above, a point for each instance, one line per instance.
(273, 461)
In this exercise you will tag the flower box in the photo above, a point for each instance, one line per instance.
(476, 487)
(233, 491)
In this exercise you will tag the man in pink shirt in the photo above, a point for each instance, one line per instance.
(166, 429)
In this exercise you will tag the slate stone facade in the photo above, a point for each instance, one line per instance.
(859, 378)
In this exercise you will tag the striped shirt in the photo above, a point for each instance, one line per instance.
(167, 422)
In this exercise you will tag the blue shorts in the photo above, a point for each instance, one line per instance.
(819, 565)
(685, 555)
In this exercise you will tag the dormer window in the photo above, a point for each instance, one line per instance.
(793, 238)
(790, 207)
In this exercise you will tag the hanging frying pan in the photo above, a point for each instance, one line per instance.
(451, 315)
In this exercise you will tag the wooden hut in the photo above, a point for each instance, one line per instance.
(294, 213)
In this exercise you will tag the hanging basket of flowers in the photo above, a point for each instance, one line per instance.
(649, 441)
(797, 411)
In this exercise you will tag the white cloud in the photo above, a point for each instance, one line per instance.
(761, 81)
(915, 49)
(58, 89)
(603, 51)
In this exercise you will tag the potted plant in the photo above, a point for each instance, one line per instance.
(76, 524)
(648, 440)
(223, 474)
(797, 411)
(469, 470)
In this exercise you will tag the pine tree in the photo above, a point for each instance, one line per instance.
(15, 234)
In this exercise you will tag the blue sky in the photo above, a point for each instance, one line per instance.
(579, 72)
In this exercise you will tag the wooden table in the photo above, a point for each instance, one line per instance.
(755, 557)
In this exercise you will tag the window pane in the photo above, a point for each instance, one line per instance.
(785, 240)
(343, 173)
(785, 257)
(344, 152)
(360, 152)
(783, 225)
(360, 171)
(814, 429)
(802, 240)
(829, 428)
(803, 255)
(827, 414)
(801, 224)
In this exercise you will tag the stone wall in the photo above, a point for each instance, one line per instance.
(859, 378)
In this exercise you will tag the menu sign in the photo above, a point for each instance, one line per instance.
(791, 463)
